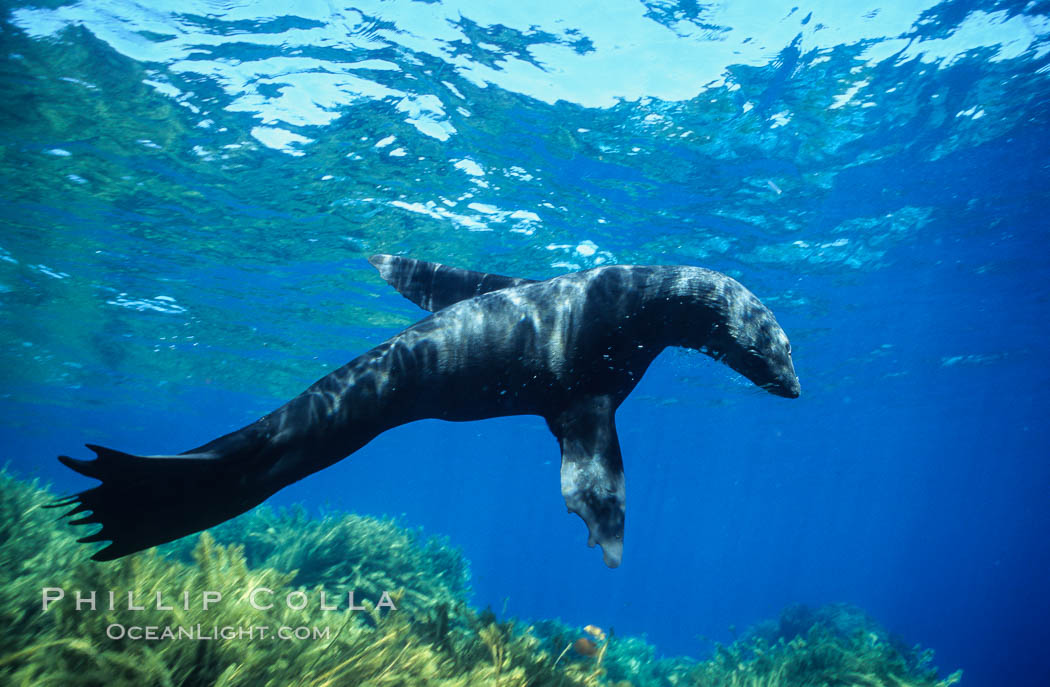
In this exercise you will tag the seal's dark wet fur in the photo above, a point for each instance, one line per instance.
(569, 349)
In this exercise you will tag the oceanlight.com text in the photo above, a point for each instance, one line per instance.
(159, 633)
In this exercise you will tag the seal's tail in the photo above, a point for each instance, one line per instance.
(148, 500)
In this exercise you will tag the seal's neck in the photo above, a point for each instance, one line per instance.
(690, 307)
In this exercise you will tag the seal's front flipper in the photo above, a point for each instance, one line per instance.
(592, 472)
(432, 286)
(148, 500)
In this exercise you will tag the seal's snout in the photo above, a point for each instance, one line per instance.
(785, 384)
(788, 389)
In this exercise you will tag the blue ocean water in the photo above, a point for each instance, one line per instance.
(190, 190)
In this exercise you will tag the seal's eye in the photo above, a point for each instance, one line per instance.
(789, 349)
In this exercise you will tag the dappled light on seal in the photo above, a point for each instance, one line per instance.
(569, 349)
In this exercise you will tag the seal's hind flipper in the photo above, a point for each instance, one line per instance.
(592, 479)
(432, 286)
(148, 500)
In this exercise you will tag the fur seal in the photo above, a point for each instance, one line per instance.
(569, 349)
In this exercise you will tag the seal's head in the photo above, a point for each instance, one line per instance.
(749, 340)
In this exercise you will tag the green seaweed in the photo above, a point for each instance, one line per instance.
(35, 550)
(834, 645)
(433, 637)
(348, 551)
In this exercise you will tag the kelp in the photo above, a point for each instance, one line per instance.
(35, 551)
(372, 647)
(633, 661)
(833, 645)
(346, 550)
(159, 627)
(433, 638)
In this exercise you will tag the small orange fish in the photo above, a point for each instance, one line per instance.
(585, 647)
